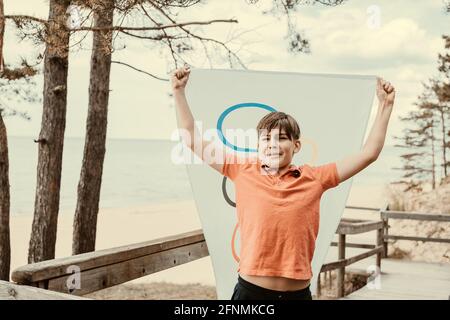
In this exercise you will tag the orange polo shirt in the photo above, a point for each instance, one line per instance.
(278, 217)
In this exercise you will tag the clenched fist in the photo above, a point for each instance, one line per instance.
(385, 92)
(180, 78)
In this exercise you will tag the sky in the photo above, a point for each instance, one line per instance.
(392, 39)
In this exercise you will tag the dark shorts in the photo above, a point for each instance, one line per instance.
(245, 290)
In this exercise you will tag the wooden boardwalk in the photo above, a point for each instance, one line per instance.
(408, 280)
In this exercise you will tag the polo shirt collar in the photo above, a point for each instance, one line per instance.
(293, 169)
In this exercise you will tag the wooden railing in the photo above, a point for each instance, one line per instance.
(88, 272)
(106, 268)
(11, 291)
(382, 239)
(388, 214)
(352, 227)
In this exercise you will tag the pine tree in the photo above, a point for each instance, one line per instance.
(442, 91)
(419, 163)
(427, 132)
(160, 26)
(16, 85)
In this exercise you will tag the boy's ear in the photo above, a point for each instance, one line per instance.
(298, 146)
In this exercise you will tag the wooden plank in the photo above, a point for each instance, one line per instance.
(355, 245)
(11, 291)
(364, 255)
(359, 227)
(380, 244)
(409, 280)
(362, 208)
(415, 216)
(352, 220)
(341, 270)
(385, 233)
(318, 291)
(332, 265)
(424, 239)
(111, 275)
(36, 272)
(346, 262)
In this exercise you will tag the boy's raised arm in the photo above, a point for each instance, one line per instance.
(186, 122)
(351, 165)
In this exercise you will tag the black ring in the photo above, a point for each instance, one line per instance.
(224, 192)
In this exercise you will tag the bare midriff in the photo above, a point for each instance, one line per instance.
(276, 283)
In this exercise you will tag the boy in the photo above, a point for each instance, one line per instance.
(279, 226)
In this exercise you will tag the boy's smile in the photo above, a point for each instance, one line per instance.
(276, 149)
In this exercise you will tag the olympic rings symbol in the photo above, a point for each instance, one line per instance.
(234, 108)
(236, 148)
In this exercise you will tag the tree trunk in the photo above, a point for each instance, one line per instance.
(51, 137)
(85, 220)
(444, 143)
(5, 246)
(2, 33)
(433, 163)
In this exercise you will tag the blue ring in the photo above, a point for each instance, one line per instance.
(231, 109)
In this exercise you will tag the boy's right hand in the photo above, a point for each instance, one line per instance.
(180, 78)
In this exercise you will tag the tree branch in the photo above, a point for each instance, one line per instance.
(2, 32)
(201, 39)
(177, 25)
(139, 70)
(18, 18)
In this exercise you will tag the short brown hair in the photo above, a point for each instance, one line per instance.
(281, 120)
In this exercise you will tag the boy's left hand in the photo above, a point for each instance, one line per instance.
(385, 92)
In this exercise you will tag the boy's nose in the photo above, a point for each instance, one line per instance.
(274, 143)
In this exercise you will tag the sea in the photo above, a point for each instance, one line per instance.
(136, 172)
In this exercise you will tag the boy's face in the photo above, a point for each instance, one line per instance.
(276, 149)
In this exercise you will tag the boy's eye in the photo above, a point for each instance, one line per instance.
(267, 138)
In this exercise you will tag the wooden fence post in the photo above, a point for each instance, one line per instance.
(385, 240)
(318, 286)
(341, 271)
(384, 217)
(380, 243)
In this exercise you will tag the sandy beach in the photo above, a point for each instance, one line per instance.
(436, 201)
(121, 226)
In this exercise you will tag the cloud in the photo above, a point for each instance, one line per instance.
(403, 50)
(410, 74)
(347, 39)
